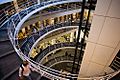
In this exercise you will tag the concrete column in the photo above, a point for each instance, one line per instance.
(85, 14)
(71, 36)
(46, 59)
(81, 35)
(76, 33)
(53, 41)
(16, 5)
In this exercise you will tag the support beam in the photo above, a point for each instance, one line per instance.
(78, 37)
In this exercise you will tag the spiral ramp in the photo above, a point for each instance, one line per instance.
(12, 54)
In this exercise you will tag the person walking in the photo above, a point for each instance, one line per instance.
(24, 71)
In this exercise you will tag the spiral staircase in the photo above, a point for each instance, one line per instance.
(12, 54)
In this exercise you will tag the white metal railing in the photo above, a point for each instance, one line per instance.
(45, 71)
(10, 10)
(16, 20)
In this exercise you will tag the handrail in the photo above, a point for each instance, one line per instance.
(57, 59)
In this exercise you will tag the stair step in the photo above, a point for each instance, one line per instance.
(7, 53)
(44, 78)
(6, 77)
(8, 63)
(13, 76)
(5, 46)
(35, 75)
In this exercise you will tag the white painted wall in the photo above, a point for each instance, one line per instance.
(104, 39)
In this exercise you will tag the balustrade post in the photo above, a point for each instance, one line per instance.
(67, 7)
(33, 39)
(19, 16)
(13, 23)
(38, 1)
(6, 13)
(26, 11)
(28, 46)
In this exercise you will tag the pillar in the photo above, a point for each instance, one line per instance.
(16, 5)
(71, 36)
(53, 41)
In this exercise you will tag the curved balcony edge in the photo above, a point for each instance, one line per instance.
(37, 8)
(51, 48)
